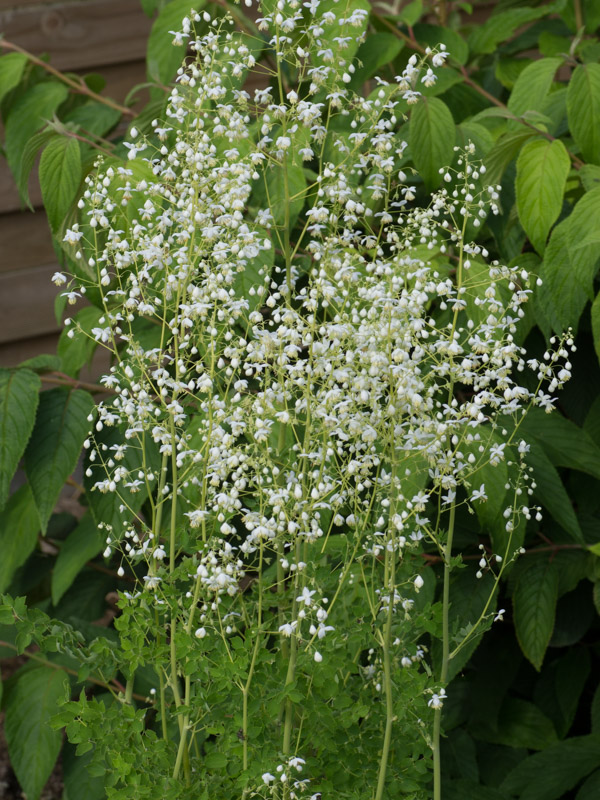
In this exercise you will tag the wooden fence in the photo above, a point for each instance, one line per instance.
(106, 36)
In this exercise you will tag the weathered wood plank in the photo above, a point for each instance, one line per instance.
(25, 241)
(27, 303)
(80, 34)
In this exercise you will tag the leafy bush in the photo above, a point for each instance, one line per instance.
(248, 380)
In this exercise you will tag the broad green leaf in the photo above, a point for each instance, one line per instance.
(33, 745)
(106, 507)
(60, 428)
(564, 442)
(11, 70)
(79, 350)
(270, 192)
(549, 775)
(522, 724)
(42, 363)
(550, 492)
(79, 784)
(163, 57)
(434, 35)
(255, 269)
(560, 685)
(19, 528)
(411, 12)
(503, 152)
(532, 87)
(60, 175)
(583, 108)
(534, 604)
(376, 51)
(29, 114)
(590, 789)
(500, 27)
(542, 170)
(596, 324)
(32, 148)
(19, 395)
(461, 788)
(82, 544)
(432, 134)
(338, 27)
(589, 175)
(94, 117)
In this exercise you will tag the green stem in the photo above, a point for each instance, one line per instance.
(387, 677)
(437, 720)
(578, 15)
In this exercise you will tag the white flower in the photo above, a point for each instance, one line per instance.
(59, 279)
(268, 778)
(200, 633)
(418, 583)
(437, 699)
(479, 494)
(318, 657)
(500, 615)
(306, 596)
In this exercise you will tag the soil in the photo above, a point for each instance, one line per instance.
(9, 786)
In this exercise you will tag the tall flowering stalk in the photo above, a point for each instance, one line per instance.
(310, 377)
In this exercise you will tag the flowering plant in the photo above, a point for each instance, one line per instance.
(312, 380)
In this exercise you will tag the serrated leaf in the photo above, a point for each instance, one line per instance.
(564, 442)
(255, 269)
(42, 363)
(61, 426)
(532, 87)
(29, 114)
(550, 774)
(269, 192)
(82, 544)
(411, 12)
(77, 351)
(32, 745)
(500, 27)
(583, 109)
(19, 527)
(60, 175)
(522, 724)
(432, 135)
(542, 170)
(94, 117)
(571, 262)
(19, 395)
(534, 604)
(503, 152)
(376, 51)
(162, 57)
(551, 493)
(434, 35)
(32, 148)
(11, 70)
(79, 784)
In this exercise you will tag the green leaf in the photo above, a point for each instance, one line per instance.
(534, 603)
(106, 507)
(33, 146)
(163, 58)
(79, 784)
(19, 527)
(532, 87)
(27, 116)
(583, 109)
(60, 175)
(551, 493)
(215, 760)
(503, 152)
(82, 544)
(522, 724)
(60, 428)
(551, 774)
(411, 12)
(500, 27)
(32, 745)
(589, 175)
(596, 324)
(432, 134)
(376, 51)
(11, 70)
(270, 192)
(542, 170)
(590, 789)
(564, 442)
(571, 262)
(42, 363)
(19, 395)
(434, 35)
(79, 350)
(94, 117)
(254, 271)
